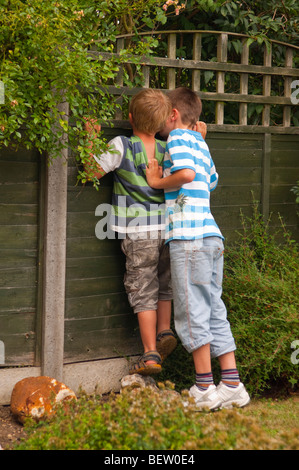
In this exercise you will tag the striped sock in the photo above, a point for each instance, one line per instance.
(230, 377)
(203, 381)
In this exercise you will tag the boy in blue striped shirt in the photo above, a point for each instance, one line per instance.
(196, 254)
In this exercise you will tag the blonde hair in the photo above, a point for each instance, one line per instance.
(150, 110)
(187, 103)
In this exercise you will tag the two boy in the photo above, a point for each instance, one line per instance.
(196, 255)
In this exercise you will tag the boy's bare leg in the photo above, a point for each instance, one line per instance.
(148, 326)
(227, 361)
(152, 322)
(163, 315)
(202, 359)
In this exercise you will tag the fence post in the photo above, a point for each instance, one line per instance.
(171, 72)
(220, 81)
(52, 349)
(267, 84)
(265, 199)
(196, 58)
(244, 83)
(287, 88)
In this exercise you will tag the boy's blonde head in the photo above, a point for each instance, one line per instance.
(150, 110)
(187, 103)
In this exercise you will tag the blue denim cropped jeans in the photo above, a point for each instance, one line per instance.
(199, 312)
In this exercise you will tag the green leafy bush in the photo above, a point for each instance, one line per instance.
(148, 419)
(261, 292)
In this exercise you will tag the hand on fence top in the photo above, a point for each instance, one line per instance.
(201, 127)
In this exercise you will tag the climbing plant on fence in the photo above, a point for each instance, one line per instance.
(44, 61)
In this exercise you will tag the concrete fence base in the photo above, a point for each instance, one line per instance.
(90, 377)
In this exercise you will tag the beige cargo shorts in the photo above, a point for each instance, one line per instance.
(147, 278)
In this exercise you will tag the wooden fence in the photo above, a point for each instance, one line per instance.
(62, 299)
(220, 65)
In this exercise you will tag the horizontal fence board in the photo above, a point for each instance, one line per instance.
(95, 286)
(90, 246)
(16, 172)
(289, 217)
(18, 214)
(221, 128)
(230, 142)
(287, 158)
(26, 193)
(239, 176)
(205, 65)
(15, 277)
(89, 268)
(87, 198)
(18, 236)
(282, 194)
(17, 331)
(21, 155)
(234, 195)
(97, 305)
(17, 299)
(285, 176)
(98, 324)
(229, 218)
(81, 224)
(13, 258)
(218, 96)
(90, 345)
(17, 323)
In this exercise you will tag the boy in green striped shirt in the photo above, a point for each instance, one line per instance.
(138, 218)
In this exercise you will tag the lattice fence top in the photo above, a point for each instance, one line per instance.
(278, 84)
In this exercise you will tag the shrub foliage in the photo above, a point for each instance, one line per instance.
(149, 419)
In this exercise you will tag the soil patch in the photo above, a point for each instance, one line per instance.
(10, 430)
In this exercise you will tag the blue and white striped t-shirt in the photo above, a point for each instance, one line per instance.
(188, 214)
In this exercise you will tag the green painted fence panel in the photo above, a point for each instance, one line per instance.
(99, 322)
(19, 239)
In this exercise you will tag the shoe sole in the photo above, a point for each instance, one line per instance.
(235, 403)
(166, 346)
(207, 406)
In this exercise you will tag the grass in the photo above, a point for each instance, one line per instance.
(276, 416)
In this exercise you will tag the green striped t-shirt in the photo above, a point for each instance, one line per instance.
(136, 207)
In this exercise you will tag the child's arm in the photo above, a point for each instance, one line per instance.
(176, 179)
(92, 168)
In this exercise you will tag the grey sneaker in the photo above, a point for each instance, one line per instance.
(207, 399)
(233, 396)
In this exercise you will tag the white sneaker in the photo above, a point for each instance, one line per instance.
(206, 399)
(233, 396)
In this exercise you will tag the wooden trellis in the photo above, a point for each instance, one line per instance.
(245, 68)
